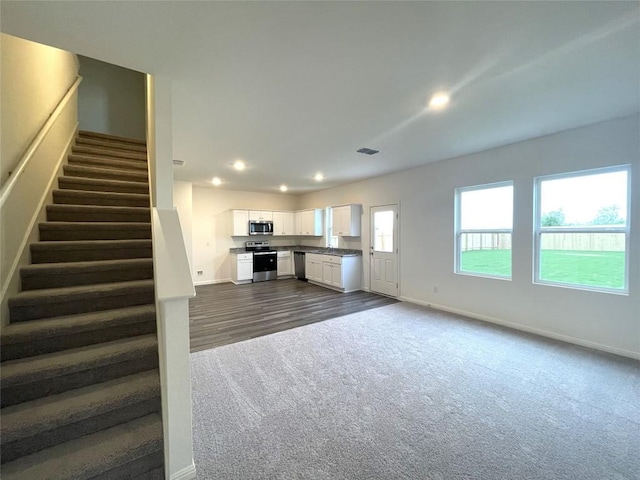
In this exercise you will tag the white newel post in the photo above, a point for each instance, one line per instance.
(174, 287)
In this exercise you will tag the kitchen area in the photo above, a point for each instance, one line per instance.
(261, 260)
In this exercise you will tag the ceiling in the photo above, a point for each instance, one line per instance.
(295, 88)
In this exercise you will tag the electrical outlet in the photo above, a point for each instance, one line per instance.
(199, 272)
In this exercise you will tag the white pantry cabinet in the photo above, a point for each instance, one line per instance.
(283, 223)
(346, 220)
(309, 222)
(242, 267)
(240, 223)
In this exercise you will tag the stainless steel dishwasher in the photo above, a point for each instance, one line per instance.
(299, 261)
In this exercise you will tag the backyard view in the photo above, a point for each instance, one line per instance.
(581, 229)
(593, 268)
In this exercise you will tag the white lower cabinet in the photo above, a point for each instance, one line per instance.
(242, 267)
(284, 264)
(313, 267)
(340, 273)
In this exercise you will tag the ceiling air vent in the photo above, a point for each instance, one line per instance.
(367, 151)
(178, 163)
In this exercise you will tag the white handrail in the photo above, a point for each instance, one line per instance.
(35, 143)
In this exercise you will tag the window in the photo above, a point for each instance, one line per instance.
(383, 231)
(484, 221)
(331, 240)
(582, 229)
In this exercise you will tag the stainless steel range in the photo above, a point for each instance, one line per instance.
(265, 261)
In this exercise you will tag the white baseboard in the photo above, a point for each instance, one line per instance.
(187, 473)
(211, 282)
(537, 331)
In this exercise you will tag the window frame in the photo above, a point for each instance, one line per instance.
(459, 231)
(538, 229)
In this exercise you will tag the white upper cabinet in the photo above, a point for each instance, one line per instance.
(346, 220)
(283, 223)
(309, 222)
(240, 223)
(260, 215)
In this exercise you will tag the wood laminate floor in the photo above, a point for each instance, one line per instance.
(227, 313)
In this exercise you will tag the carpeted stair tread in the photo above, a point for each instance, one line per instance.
(52, 365)
(50, 329)
(84, 197)
(53, 275)
(105, 173)
(113, 138)
(101, 152)
(108, 162)
(82, 231)
(77, 251)
(102, 185)
(95, 213)
(48, 413)
(110, 144)
(54, 302)
(92, 455)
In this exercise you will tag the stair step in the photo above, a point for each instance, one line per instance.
(83, 251)
(37, 337)
(87, 150)
(112, 138)
(69, 231)
(33, 426)
(30, 378)
(123, 451)
(104, 173)
(110, 144)
(55, 275)
(93, 213)
(54, 302)
(80, 197)
(107, 162)
(102, 185)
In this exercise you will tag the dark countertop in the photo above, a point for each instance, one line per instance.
(338, 252)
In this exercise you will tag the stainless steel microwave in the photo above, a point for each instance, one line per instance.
(263, 227)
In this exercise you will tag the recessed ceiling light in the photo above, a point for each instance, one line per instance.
(283, 188)
(439, 100)
(216, 181)
(239, 165)
(319, 177)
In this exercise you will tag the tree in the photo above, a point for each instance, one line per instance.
(554, 218)
(609, 215)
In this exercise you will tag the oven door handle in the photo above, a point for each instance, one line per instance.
(265, 253)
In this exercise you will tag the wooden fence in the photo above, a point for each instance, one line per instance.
(600, 242)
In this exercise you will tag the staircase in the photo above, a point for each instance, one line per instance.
(80, 388)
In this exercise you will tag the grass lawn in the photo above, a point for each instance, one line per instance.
(601, 269)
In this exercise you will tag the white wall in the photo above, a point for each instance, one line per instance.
(183, 200)
(426, 198)
(34, 79)
(111, 99)
(211, 226)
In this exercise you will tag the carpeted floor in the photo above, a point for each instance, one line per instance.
(406, 392)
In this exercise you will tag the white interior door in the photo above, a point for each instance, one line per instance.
(384, 250)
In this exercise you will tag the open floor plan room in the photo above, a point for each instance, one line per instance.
(407, 392)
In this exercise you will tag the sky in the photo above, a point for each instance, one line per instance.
(579, 197)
